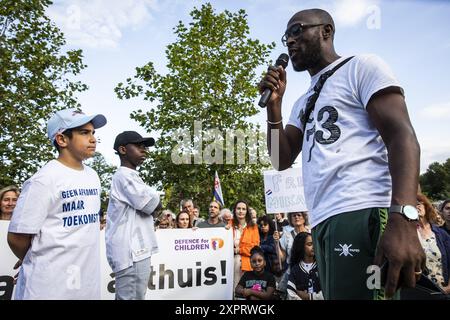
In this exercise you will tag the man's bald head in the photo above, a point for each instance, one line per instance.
(309, 37)
(314, 16)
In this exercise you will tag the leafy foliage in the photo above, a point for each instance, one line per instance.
(435, 183)
(34, 83)
(211, 78)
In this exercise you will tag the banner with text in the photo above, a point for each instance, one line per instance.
(7, 262)
(284, 191)
(191, 264)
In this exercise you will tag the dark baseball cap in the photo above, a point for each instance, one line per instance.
(127, 137)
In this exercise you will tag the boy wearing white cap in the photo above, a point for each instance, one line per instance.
(132, 208)
(55, 226)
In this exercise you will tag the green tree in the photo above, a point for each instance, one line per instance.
(435, 183)
(211, 77)
(34, 82)
(105, 173)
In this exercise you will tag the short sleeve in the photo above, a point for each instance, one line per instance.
(373, 75)
(243, 279)
(294, 118)
(136, 193)
(32, 207)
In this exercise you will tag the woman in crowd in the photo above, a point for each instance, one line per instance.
(163, 223)
(254, 215)
(299, 222)
(267, 244)
(170, 216)
(183, 220)
(245, 236)
(226, 216)
(435, 242)
(8, 200)
(445, 213)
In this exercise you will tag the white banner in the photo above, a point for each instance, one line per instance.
(7, 262)
(284, 191)
(191, 265)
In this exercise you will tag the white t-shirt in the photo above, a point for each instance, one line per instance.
(130, 233)
(307, 266)
(345, 163)
(60, 206)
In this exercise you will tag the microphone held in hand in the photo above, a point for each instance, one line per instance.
(282, 60)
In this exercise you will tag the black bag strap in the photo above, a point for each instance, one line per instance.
(311, 103)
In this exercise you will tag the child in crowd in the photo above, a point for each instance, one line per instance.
(132, 208)
(267, 244)
(55, 226)
(257, 284)
(303, 281)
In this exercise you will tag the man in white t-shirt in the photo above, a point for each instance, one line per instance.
(55, 226)
(360, 157)
(133, 207)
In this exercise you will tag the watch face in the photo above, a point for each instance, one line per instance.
(411, 212)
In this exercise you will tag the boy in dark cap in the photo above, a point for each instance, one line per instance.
(133, 207)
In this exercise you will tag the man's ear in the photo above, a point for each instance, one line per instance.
(61, 140)
(122, 150)
(327, 31)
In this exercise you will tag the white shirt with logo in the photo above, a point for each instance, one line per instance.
(60, 207)
(344, 159)
(130, 233)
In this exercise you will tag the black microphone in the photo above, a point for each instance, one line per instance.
(282, 60)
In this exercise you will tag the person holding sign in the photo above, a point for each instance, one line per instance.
(298, 222)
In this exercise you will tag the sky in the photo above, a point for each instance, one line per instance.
(117, 36)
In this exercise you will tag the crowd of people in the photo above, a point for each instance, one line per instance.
(251, 235)
(59, 206)
(274, 256)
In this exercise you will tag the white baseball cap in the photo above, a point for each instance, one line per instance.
(69, 119)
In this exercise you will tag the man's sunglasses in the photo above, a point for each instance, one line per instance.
(296, 30)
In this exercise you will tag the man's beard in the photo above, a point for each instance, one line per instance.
(310, 58)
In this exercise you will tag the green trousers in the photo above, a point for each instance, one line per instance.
(345, 247)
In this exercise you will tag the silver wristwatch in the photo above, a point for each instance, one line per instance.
(409, 212)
